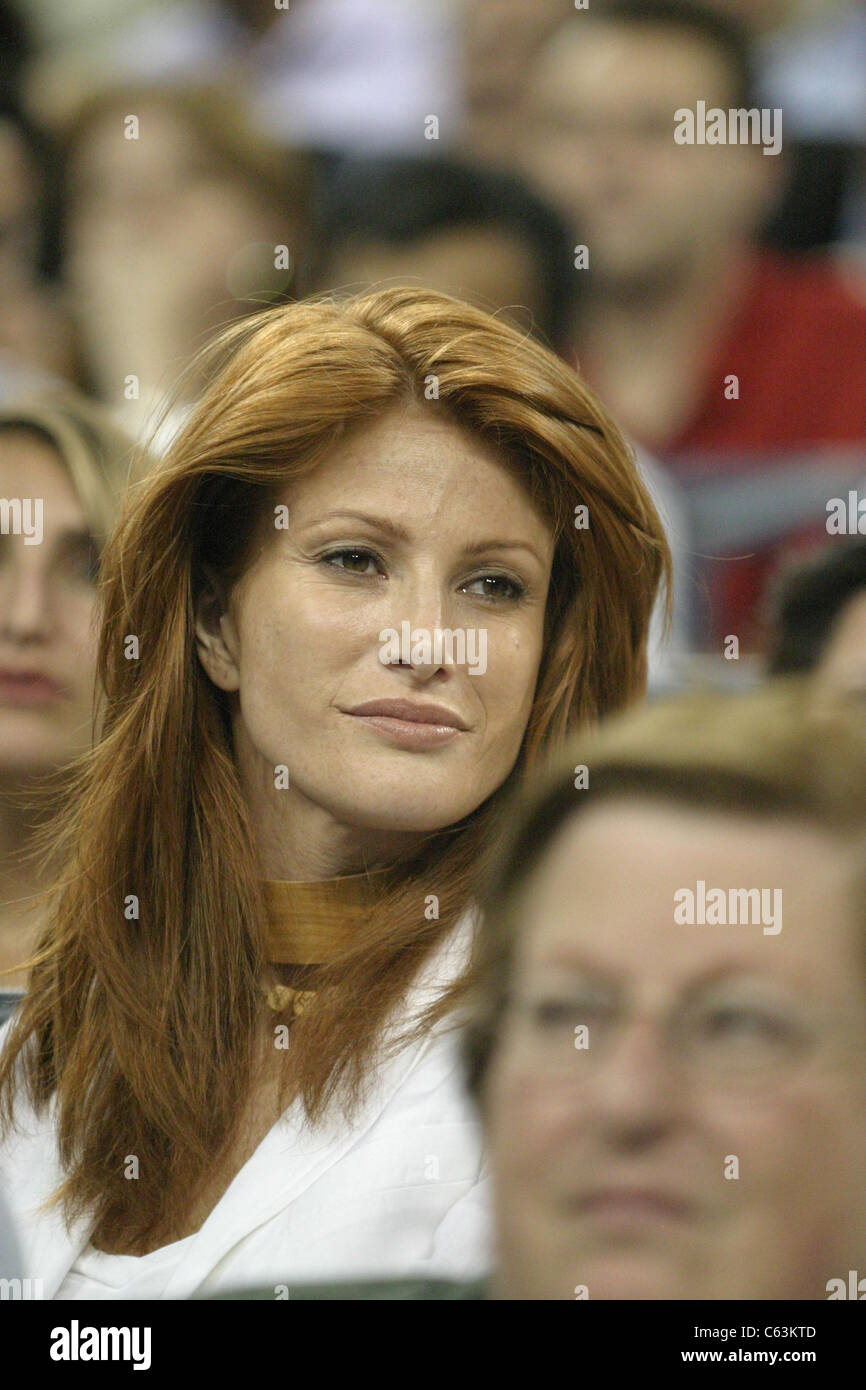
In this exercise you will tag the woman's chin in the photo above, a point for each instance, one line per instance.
(398, 815)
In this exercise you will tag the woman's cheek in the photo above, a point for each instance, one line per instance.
(79, 628)
(508, 683)
(535, 1114)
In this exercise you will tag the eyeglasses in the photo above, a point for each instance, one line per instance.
(647, 128)
(729, 1035)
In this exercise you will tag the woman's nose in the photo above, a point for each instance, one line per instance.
(419, 614)
(24, 601)
(640, 1087)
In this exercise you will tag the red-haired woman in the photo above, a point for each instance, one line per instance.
(236, 1062)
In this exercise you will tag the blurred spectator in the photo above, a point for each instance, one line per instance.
(626, 1075)
(178, 218)
(451, 227)
(820, 620)
(704, 345)
(677, 298)
(353, 75)
(67, 460)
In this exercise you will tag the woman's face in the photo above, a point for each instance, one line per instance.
(410, 526)
(47, 597)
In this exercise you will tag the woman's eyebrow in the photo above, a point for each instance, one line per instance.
(75, 534)
(380, 523)
(71, 537)
(400, 532)
(579, 961)
(478, 547)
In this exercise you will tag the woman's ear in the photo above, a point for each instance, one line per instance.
(216, 635)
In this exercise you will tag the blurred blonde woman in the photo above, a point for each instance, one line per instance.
(61, 475)
(248, 994)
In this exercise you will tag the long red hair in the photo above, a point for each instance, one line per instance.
(143, 1032)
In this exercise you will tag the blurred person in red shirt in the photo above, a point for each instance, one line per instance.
(707, 345)
(678, 296)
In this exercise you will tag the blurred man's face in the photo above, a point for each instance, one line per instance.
(705, 1136)
(599, 142)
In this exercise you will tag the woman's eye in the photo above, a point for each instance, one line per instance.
(758, 1027)
(81, 562)
(552, 1013)
(568, 1012)
(497, 586)
(355, 561)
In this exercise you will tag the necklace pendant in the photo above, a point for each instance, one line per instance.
(280, 998)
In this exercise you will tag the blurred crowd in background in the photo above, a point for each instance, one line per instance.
(169, 165)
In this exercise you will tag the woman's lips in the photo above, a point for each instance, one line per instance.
(410, 724)
(632, 1207)
(410, 733)
(28, 690)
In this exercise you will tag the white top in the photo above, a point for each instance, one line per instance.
(402, 1192)
(97, 1275)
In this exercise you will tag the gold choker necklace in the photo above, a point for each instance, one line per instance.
(309, 923)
